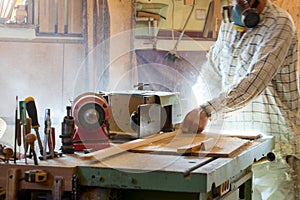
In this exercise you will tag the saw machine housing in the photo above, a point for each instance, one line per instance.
(91, 115)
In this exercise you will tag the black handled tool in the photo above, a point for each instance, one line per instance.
(32, 112)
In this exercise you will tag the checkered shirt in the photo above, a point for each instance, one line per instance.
(259, 78)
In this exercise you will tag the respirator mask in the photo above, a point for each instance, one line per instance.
(242, 14)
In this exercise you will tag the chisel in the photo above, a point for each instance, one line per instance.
(16, 130)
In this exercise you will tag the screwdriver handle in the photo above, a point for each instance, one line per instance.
(22, 110)
(32, 112)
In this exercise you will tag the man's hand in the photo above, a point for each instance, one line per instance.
(195, 121)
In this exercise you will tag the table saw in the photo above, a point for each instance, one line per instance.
(155, 167)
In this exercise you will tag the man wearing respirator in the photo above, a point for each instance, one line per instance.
(254, 65)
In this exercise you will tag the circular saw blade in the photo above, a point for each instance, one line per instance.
(91, 116)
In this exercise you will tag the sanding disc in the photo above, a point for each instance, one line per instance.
(2, 127)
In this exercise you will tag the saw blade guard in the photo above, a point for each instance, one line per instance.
(90, 111)
(91, 115)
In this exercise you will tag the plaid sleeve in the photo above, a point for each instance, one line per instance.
(266, 62)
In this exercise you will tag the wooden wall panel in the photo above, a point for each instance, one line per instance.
(121, 13)
(36, 7)
(30, 13)
(62, 16)
(75, 16)
(46, 16)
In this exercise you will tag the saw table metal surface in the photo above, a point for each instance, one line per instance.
(148, 175)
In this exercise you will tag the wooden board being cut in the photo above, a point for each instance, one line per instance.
(252, 135)
(172, 143)
(222, 146)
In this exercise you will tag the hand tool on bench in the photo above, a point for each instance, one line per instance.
(32, 113)
(22, 110)
(27, 130)
(16, 130)
(30, 138)
(48, 136)
(8, 153)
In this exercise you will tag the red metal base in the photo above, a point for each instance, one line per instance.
(95, 140)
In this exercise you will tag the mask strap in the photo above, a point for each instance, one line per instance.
(255, 4)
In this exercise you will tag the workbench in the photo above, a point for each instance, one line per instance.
(142, 173)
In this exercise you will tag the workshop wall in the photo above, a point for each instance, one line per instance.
(44, 70)
(121, 68)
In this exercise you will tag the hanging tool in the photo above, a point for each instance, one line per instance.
(172, 54)
(30, 138)
(32, 112)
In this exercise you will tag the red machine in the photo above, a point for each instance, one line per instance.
(91, 114)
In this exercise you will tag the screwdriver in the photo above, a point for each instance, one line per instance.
(16, 129)
(32, 112)
(22, 106)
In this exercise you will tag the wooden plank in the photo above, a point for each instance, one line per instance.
(114, 150)
(225, 147)
(217, 145)
(221, 147)
(151, 162)
(217, 18)
(62, 13)
(75, 16)
(46, 17)
(30, 12)
(188, 2)
(202, 145)
(190, 148)
(209, 19)
(251, 135)
(36, 16)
